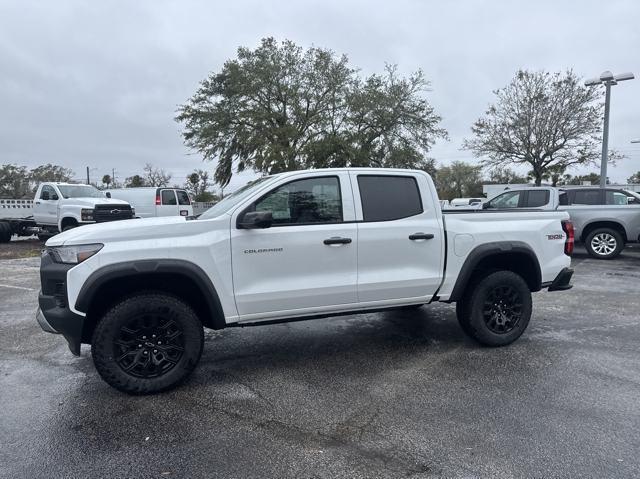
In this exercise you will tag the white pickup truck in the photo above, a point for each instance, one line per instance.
(295, 245)
(58, 207)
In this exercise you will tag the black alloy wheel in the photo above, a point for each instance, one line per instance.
(149, 346)
(502, 309)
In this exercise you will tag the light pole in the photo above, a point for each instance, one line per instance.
(607, 79)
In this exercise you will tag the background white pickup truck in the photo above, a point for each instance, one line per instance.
(295, 245)
(57, 207)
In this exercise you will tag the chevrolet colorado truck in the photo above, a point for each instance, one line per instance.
(604, 219)
(291, 246)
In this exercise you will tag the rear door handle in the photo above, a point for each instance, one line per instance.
(420, 236)
(37, 202)
(337, 240)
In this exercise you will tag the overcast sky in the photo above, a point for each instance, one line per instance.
(96, 84)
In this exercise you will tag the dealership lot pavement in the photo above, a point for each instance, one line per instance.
(379, 395)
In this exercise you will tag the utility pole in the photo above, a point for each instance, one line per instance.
(607, 79)
(113, 177)
(88, 182)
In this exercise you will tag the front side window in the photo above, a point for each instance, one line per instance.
(387, 198)
(537, 198)
(308, 201)
(47, 193)
(616, 198)
(506, 200)
(168, 197)
(586, 197)
(183, 197)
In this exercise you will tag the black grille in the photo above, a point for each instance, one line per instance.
(102, 213)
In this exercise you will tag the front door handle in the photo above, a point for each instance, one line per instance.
(337, 240)
(37, 202)
(420, 236)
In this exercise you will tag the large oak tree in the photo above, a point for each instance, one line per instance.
(280, 107)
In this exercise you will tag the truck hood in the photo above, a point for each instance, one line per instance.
(126, 230)
(91, 202)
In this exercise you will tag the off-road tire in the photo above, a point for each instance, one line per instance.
(5, 232)
(139, 311)
(604, 243)
(504, 295)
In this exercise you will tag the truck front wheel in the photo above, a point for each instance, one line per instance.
(496, 310)
(147, 343)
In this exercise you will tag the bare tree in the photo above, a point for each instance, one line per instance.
(548, 121)
(155, 176)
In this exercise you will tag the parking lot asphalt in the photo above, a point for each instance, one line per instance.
(393, 394)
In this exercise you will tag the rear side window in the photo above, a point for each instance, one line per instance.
(386, 198)
(586, 197)
(537, 198)
(183, 197)
(168, 197)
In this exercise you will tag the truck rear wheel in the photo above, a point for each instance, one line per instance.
(5, 232)
(147, 343)
(604, 243)
(497, 309)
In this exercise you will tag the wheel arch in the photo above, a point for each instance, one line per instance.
(594, 225)
(179, 278)
(68, 221)
(514, 256)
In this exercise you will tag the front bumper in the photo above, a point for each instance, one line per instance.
(54, 314)
(561, 282)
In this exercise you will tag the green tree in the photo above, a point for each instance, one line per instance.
(505, 176)
(459, 180)
(634, 179)
(197, 184)
(280, 108)
(134, 181)
(106, 180)
(14, 181)
(541, 120)
(51, 172)
(590, 178)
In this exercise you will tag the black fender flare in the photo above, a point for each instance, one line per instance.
(483, 251)
(154, 266)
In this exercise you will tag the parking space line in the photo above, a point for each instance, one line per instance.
(16, 287)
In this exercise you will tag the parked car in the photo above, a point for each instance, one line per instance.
(296, 245)
(150, 202)
(605, 220)
(58, 207)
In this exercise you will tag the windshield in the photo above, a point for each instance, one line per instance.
(80, 191)
(234, 198)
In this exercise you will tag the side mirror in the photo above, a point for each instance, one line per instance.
(108, 194)
(256, 219)
(45, 195)
(54, 197)
(486, 206)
